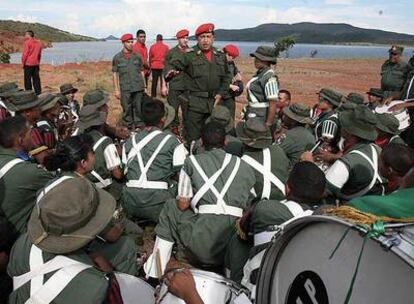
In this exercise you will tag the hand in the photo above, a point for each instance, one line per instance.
(117, 94)
(101, 262)
(164, 91)
(397, 107)
(217, 99)
(388, 100)
(183, 203)
(326, 156)
(234, 88)
(121, 132)
(307, 156)
(182, 285)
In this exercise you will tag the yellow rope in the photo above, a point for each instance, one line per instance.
(356, 216)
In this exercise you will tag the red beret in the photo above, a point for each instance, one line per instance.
(126, 37)
(232, 50)
(182, 34)
(204, 28)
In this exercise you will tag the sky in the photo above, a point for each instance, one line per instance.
(99, 18)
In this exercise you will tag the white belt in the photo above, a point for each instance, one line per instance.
(263, 237)
(104, 183)
(220, 210)
(260, 105)
(147, 184)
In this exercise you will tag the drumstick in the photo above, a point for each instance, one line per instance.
(158, 263)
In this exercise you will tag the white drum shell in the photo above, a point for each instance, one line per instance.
(135, 290)
(402, 115)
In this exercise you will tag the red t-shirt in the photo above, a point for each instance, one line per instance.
(157, 54)
(32, 52)
(142, 51)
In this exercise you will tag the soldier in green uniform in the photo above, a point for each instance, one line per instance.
(305, 189)
(20, 179)
(128, 78)
(152, 159)
(388, 130)
(356, 172)
(394, 73)
(107, 173)
(236, 84)
(50, 109)
(6, 90)
(177, 84)
(68, 269)
(269, 161)
(208, 80)
(263, 88)
(233, 145)
(298, 138)
(213, 189)
(375, 98)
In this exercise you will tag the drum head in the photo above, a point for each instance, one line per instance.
(135, 290)
(298, 267)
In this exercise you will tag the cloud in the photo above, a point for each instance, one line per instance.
(339, 2)
(24, 18)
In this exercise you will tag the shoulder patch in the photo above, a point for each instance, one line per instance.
(189, 50)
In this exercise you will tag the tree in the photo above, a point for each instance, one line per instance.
(285, 44)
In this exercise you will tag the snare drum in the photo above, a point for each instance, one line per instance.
(212, 288)
(301, 266)
(402, 115)
(135, 290)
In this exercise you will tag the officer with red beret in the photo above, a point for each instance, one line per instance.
(236, 84)
(128, 79)
(207, 79)
(176, 86)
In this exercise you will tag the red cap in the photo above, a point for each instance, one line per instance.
(204, 28)
(232, 50)
(126, 37)
(182, 34)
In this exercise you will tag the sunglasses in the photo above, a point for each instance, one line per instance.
(394, 54)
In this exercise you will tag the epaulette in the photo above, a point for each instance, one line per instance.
(189, 50)
(198, 52)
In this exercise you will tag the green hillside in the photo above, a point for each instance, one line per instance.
(43, 32)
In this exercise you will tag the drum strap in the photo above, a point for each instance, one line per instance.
(409, 89)
(265, 169)
(102, 183)
(6, 168)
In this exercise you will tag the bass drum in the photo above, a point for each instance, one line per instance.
(135, 290)
(302, 266)
(402, 115)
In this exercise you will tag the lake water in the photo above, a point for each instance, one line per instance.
(65, 52)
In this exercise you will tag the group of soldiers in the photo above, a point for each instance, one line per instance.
(76, 191)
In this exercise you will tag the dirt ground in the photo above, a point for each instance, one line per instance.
(303, 77)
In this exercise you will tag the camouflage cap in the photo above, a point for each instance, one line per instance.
(96, 98)
(360, 122)
(376, 92)
(89, 116)
(23, 100)
(388, 123)
(396, 49)
(222, 115)
(331, 96)
(355, 98)
(254, 133)
(67, 88)
(48, 101)
(298, 112)
(266, 53)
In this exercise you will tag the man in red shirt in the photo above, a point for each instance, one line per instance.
(157, 54)
(32, 52)
(140, 48)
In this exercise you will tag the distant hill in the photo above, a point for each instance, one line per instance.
(111, 37)
(307, 32)
(43, 32)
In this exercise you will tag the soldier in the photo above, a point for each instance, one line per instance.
(47, 123)
(69, 91)
(233, 145)
(394, 73)
(6, 90)
(375, 98)
(20, 179)
(176, 85)
(298, 138)
(107, 171)
(207, 82)
(26, 104)
(57, 245)
(305, 189)
(263, 88)
(269, 161)
(356, 172)
(157, 54)
(141, 50)
(213, 189)
(152, 159)
(388, 130)
(128, 78)
(236, 84)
